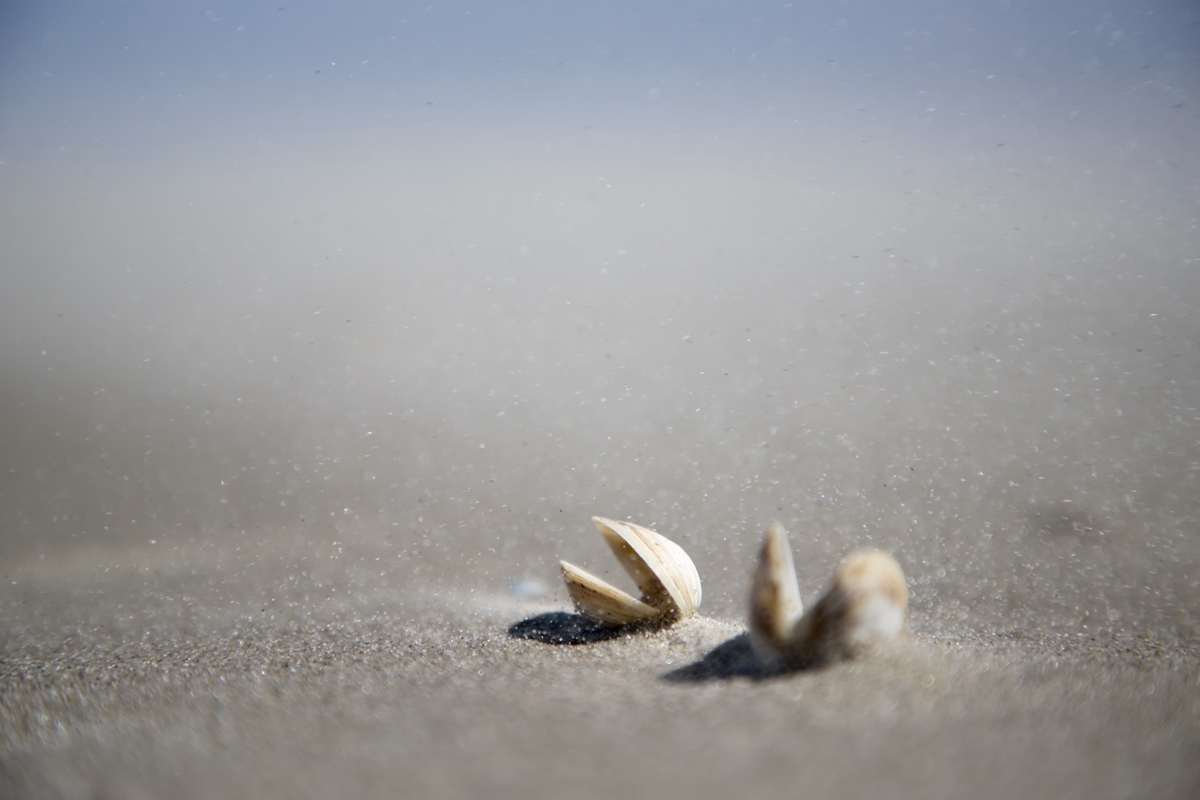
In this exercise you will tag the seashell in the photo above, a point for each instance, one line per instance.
(863, 609)
(774, 596)
(663, 572)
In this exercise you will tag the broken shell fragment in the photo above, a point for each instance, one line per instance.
(863, 609)
(663, 572)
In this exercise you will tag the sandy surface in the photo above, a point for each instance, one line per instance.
(113, 688)
(289, 450)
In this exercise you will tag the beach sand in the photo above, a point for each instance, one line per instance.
(291, 453)
(112, 688)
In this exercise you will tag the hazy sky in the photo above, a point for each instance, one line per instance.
(942, 78)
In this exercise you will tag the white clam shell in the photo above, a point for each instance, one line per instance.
(603, 602)
(864, 608)
(664, 573)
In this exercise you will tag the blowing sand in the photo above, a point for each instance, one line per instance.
(290, 455)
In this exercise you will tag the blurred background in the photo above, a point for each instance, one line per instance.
(415, 290)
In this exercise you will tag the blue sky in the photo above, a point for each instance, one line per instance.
(129, 76)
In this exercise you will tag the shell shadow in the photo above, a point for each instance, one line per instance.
(733, 658)
(559, 627)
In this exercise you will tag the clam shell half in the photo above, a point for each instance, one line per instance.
(663, 572)
(775, 604)
(863, 609)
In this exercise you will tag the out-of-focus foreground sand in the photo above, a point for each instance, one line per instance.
(287, 450)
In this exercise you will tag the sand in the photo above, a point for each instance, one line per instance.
(429, 694)
(288, 472)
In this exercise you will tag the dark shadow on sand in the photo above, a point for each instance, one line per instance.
(559, 627)
(731, 659)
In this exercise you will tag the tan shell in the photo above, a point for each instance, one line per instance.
(774, 596)
(603, 602)
(661, 569)
(864, 608)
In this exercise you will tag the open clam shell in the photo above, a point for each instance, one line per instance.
(663, 572)
(863, 609)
